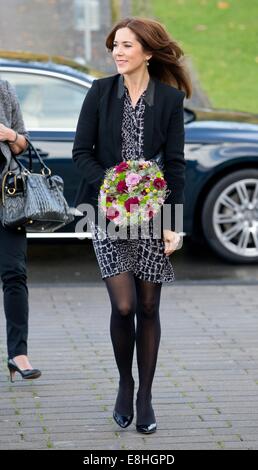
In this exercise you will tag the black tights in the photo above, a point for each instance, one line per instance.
(129, 295)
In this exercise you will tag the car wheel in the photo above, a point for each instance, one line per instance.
(230, 217)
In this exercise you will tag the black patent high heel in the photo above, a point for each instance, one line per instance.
(146, 428)
(25, 373)
(123, 420)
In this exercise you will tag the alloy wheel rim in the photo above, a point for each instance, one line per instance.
(235, 217)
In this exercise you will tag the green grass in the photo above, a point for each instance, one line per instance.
(222, 44)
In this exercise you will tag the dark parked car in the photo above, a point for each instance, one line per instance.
(221, 151)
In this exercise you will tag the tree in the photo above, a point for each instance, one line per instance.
(115, 6)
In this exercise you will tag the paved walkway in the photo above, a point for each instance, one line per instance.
(206, 386)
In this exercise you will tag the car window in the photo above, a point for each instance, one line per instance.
(189, 116)
(47, 102)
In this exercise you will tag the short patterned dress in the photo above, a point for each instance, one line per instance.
(144, 257)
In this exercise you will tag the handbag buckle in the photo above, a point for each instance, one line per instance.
(11, 191)
(43, 171)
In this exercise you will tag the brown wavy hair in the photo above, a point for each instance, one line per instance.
(167, 62)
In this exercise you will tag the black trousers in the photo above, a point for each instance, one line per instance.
(13, 256)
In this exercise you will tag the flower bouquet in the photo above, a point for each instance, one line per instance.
(132, 192)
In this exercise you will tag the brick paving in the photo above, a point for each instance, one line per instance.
(206, 385)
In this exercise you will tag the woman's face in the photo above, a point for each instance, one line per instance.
(128, 52)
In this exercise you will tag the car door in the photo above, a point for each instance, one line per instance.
(51, 104)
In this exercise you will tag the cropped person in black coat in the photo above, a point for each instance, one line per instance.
(136, 113)
(13, 243)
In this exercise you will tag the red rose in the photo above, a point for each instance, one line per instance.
(130, 202)
(159, 183)
(121, 167)
(109, 199)
(121, 187)
(112, 213)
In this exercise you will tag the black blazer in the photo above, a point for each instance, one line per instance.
(98, 141)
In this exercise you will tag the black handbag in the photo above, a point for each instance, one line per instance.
(34, 201)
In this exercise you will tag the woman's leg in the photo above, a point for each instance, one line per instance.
(147, 344)
(122, 293)
(13, 248)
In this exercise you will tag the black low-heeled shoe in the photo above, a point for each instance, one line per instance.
(121, 420)
(146, 428)
(25, 373)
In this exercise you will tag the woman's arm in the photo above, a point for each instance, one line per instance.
(86, 137)
(15, 135)
(174, 170)
(16, 141)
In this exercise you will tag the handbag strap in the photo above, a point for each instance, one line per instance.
(45, 170)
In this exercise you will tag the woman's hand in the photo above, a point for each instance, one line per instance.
(6, 133)
(16, 142)
(171, 240)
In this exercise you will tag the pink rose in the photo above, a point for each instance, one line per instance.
(132, 179)
(112, 213)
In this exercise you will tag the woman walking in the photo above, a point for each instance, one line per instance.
(13, 245)
(135, 114)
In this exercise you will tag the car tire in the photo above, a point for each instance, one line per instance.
(230, 224)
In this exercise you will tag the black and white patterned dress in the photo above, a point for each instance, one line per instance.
(144, 257)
